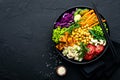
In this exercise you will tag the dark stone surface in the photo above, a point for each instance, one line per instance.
(26, 49)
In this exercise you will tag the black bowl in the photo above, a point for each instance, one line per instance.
(83, 61)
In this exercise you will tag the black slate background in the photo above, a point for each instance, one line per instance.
(26, 49)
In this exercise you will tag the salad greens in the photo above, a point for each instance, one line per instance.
(80, 11)
(97, 32)
(73, 26)
(83, 11)
(77, 12)
(84, 49)
(57, 33)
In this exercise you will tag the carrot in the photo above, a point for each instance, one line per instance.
(94, 24)
(85, 16)
(62, 39)
(97, 23)
(70, 41)
(103, 20)
(91, 22)
(88, 13)
(65, 40)
(60, 46)
(89, 18)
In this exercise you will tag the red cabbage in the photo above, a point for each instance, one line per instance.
(66, 20)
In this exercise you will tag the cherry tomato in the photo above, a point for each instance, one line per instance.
(88, 57)
(91, 52)
(99, 49)
(91, 49)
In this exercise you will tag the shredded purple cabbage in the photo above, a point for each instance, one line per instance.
(66, 20)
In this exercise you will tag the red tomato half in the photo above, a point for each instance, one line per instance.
(91, 49)
(91, 52)
(88, 57)
(99, 49)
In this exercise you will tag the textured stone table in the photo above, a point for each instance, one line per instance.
(26, 49)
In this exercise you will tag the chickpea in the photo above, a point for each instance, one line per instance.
(87, 34)
(87, 39)
(82, 34)
(78, 43)
(87, 42)
(79, 29)
(76, 30)
(76, 39)
(76, 36)
(73, 33)
(83, 40)
(80, 39)
(77, 33)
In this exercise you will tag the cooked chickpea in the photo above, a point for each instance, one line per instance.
(73, 33)
(76, 30)
(80, 39)
(76, 39)
(81, 34)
